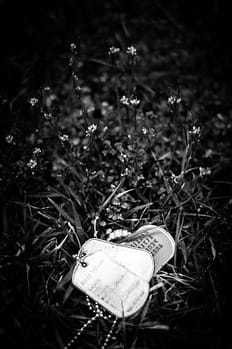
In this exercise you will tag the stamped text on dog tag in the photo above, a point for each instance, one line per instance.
(111, 284)
(156, 240)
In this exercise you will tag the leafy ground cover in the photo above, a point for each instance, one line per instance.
(136, 130)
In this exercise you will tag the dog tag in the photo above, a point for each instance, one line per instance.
(111, 284)
(156, 240)
(137, 260)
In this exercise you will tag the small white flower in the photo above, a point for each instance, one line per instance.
(78, 88)
(90, 109)
(36, 151)
(75, 77)
(9, 139)
(113, 50)
(73, 47)
(33, 101)
(174, 178)
(124, 100)
(140, 177)
(205, 171)
(134, 101)
(171, 100)
(64, 138)
(174, 99)
(118, 234)
(131, 50)
(144, 130)
(32, 163)
(130, 101)
(195, 131)
(91, 129)
(47, 116)
(126, 172)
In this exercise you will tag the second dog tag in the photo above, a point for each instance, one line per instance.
(156, 240)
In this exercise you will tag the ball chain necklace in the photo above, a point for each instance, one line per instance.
(98, 313)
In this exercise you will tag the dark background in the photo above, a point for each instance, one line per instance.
(35, 33)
